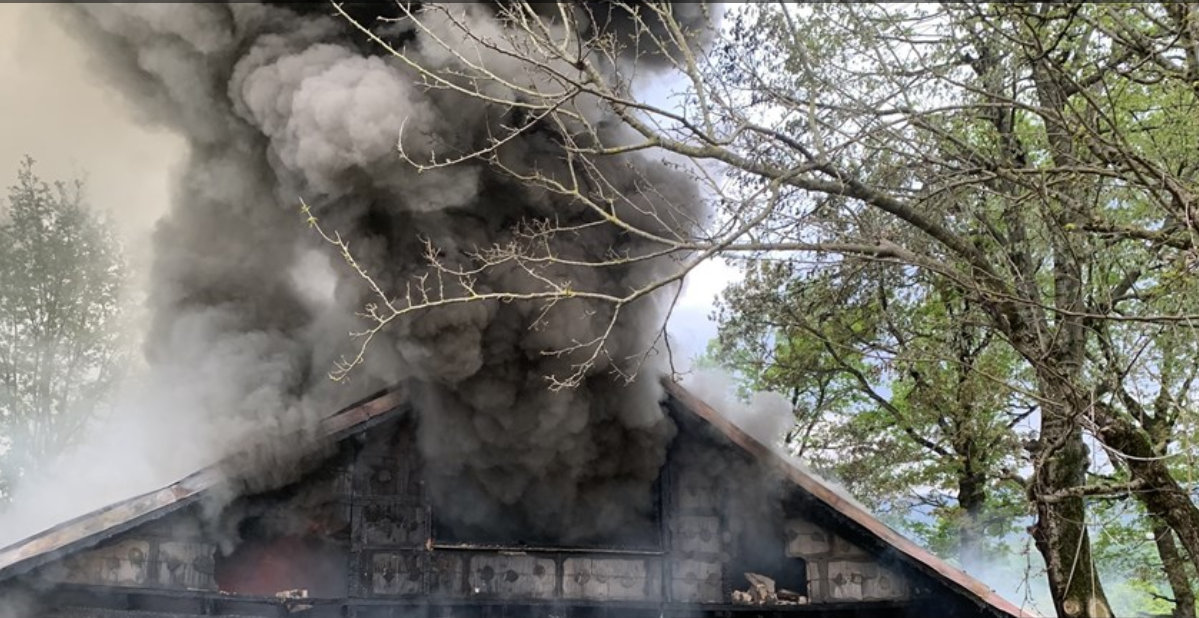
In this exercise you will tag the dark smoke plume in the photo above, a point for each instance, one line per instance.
(288, 102)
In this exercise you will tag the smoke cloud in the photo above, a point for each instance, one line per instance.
(765, 415)
(283, 103)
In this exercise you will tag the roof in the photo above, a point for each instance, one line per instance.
(97, 526)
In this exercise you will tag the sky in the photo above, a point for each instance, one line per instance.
(53, 109)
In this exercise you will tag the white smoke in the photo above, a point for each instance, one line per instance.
(765, 415)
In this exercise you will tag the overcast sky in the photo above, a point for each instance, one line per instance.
(53, 109)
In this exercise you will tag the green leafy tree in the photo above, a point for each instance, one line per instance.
(1137, 553)
(1019, 139)
(61, 277)
(897, 391)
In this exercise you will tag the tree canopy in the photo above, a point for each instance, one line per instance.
(61, 277)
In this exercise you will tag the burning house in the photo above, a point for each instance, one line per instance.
(734, 529)
(478, 491)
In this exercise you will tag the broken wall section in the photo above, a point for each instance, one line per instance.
(726, 524)
(741, 532)
(839, 570)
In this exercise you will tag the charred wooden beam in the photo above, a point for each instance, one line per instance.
(93, 601)
(529, 549)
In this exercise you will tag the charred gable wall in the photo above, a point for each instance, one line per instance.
(362, 526)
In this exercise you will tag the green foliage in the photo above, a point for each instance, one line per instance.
(895, 393)
(61, 278)
(1124, 546)
(999, 204)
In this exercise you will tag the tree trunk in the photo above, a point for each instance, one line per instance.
(1061, 462)
(1175, 567)
(1060, 531)
(972, 497)
(1161, 494)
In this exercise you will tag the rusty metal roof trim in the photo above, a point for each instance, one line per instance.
(104, 523)
(816, 487)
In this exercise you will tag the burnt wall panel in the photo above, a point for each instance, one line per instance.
(120, 563)
(388, 465)
(696, 581)
(391, 524)
(611, 579)
(694, 490)
(698, 537)
(512, 576)
(853, 580)
(447, 574)
(397, 573)
(184, 564)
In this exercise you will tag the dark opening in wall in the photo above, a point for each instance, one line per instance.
(294, 540)
(265, 564)
(756, 519)
(768, 557)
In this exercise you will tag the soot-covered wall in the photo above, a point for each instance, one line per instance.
(362, 526)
